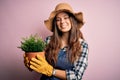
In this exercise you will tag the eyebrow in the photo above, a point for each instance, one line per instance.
(63, 16)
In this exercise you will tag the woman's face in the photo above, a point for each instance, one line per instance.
(63, 22)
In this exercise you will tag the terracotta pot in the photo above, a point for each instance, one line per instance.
(34, 54)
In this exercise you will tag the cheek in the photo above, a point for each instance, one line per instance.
(69, 22)
(57, 23)
(70, 25)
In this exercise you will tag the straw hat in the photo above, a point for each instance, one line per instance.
(63, 7)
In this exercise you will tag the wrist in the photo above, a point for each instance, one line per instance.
(54, 72)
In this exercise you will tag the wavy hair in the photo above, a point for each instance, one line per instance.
(74, 46)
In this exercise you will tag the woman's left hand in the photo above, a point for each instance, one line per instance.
(40, 65)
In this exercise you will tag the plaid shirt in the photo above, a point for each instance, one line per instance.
(80, 64)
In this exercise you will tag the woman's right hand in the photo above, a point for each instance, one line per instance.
(26, 62)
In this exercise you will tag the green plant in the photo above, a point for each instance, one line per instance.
(33, 43)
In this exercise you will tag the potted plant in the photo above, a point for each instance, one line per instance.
(32, 46)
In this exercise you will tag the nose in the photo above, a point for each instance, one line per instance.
(62, 20)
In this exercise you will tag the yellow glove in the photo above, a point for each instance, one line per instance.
(26, 62)
(40, 65)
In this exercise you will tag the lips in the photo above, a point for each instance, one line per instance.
(63, 27)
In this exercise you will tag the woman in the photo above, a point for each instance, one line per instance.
(66, 54)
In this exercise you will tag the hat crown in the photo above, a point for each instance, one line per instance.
(63, 6)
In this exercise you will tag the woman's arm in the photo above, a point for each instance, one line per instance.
(60, 74)
(80, 65)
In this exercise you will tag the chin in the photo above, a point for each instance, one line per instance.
(64, 31)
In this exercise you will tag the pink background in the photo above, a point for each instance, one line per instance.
(20, 18)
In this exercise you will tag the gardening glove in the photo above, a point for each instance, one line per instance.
(26, 62)
(40, 65)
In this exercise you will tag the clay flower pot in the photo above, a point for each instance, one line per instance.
(34, 54)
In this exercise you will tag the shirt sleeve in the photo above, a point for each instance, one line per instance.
(80, 64)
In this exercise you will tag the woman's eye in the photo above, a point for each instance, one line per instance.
(57, 19)
(66, 17)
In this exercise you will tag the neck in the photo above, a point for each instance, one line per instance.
(64, 39)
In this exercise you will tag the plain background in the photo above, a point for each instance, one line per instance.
(21, 18)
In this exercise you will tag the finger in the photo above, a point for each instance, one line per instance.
(34, 68)
(39, 70)
(27, 59)
(27, 64)
(23, 55)
(40, 58)
(34, 64)
(36, 61)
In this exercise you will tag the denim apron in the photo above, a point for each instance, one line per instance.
(62, 63)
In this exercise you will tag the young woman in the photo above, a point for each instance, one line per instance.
(66, 54)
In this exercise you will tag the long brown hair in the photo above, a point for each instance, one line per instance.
(74, 47)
